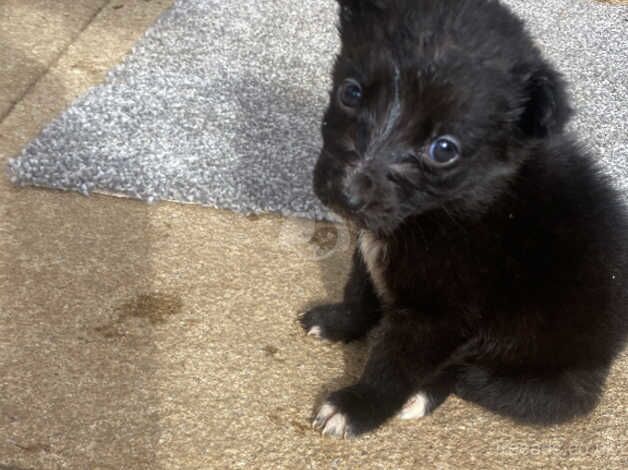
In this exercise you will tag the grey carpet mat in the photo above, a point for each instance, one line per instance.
(220, 103)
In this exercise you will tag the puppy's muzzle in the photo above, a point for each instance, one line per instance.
(359, 191)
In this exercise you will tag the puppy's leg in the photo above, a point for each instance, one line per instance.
(406, 355)
(354, 317)
(532, 397)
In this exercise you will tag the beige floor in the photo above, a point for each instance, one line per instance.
(136, 336)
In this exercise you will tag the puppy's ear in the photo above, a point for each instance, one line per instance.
(351, 10)
(357, 4)
(546, 107)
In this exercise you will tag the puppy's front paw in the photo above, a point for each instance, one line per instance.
(416, 407)
(350, 412)
(322, 321)
(330, 421)
(333, 322)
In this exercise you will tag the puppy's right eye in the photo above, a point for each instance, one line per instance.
(444, 150)
(350, 93)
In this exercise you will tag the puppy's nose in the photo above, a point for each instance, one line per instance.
(358, 191)
(355, 202)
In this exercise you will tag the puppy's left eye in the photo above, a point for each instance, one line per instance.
(350, 93)
(444, 149)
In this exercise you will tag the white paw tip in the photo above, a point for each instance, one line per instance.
(415, 407)
(315, 331)
(331, 423)
(335, 426)
(324, 413)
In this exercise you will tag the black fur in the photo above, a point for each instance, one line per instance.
(505, 271)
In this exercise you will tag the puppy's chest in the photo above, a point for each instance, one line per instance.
(392, 274)
(424, 275)
(375, 256)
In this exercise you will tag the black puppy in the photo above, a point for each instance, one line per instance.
(492, 254)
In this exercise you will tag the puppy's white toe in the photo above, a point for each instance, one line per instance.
(331, 422)
(415, 407)
(315, 331)
(335, 426)
(324, 413)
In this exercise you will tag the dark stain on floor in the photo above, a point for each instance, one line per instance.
(33, 448)
(154, 308)
(280, 421)
(270, 350)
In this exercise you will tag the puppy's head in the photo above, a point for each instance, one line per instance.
(433, 105)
